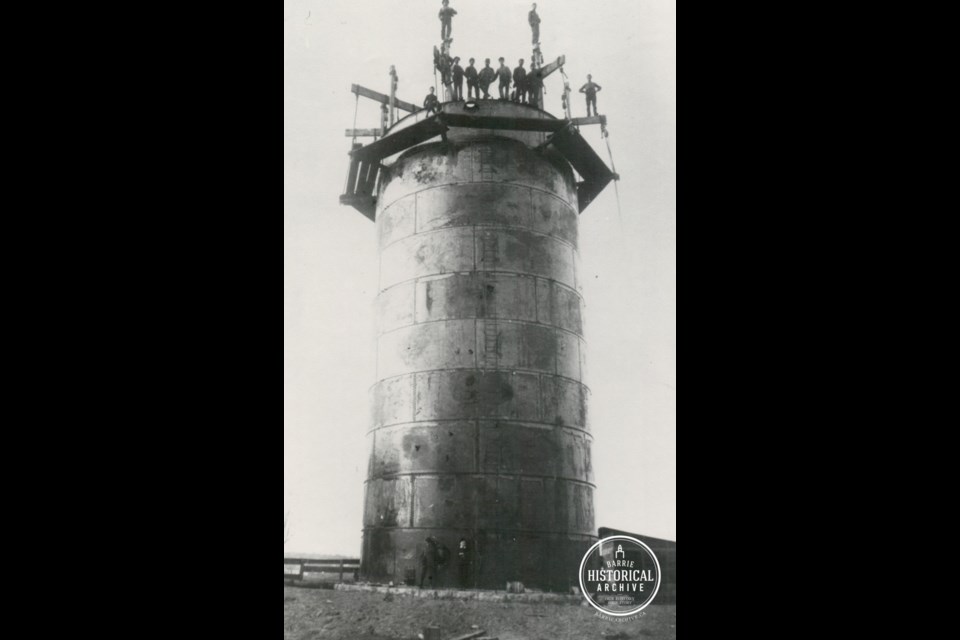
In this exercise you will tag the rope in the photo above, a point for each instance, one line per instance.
(567, 111)
(356, 107)
(613, 167)
(346, 179)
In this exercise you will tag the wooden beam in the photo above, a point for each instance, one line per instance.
(500, 122)
(364, 133)
(543, 72)
(382, 98)
(589, 120)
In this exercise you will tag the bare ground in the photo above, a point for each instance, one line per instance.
(343, 615)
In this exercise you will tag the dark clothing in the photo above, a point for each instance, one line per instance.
(534, 21)
(486, 76)
(520, 83)
(430, 102)
(446, 21)
(591, 89)
(504, 74)
(457, 82)
(444, 67)
(428, 561)
(471, 74)
(534, 84)
(463, 560)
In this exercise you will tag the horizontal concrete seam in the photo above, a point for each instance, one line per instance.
(498, 319)
(482, 226)
(519, 185)
(565, 534)
(482, 474)
(480, 369)
(478, 136)
(493, 271)
(510, 421)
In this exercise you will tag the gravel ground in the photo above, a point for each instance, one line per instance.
(342, 615)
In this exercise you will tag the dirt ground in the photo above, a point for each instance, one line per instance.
(323, 613)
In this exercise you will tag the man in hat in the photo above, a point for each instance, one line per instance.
(430, 102)
(470, 73)
(457, 79)
(487, 75)
(446, 20)
(519, 83)
(534, 21)
(505, 76)
(591, 89)
(463, 563)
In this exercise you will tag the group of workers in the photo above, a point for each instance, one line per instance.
(526, 85)
(434, 555)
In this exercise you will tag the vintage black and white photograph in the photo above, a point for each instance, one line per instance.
(479, 319)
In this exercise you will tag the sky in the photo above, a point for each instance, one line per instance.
(330, 252)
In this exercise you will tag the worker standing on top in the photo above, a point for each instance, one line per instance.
(430, 102)
(473, 90)
(534, 21)
(446, 20)
(505, 76)
(487, 75)
(534, 85)
(591, 89)
(519, 83)
(457, 79)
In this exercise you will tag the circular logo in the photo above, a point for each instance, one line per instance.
(619, 575)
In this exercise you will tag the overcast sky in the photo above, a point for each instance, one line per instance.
(330, 253)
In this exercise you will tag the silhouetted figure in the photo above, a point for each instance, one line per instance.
(487, 75)
(505, 76)
(446, 20)
(591, 89)
(534, 85)
(428, 561)
(473, 91)
(463, 563)
(430, 103)
(457, 79)
(520, 83)
(534, 21)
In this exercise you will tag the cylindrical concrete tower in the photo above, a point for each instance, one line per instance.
(479, 426)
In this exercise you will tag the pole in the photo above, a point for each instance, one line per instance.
(393, 95)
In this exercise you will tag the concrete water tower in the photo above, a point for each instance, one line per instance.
(479, 424)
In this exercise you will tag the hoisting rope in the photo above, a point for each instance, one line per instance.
(566, 95)
(346, 180)
(613, 167)
(356, 106)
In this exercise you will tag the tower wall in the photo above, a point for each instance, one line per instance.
(479, 427)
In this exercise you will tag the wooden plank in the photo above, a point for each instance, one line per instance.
(470, 636)
(383, 98)
(364, 133)
(328, 567)
(367, 205)
(399, 140)
(546, 70)
(589, 120)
